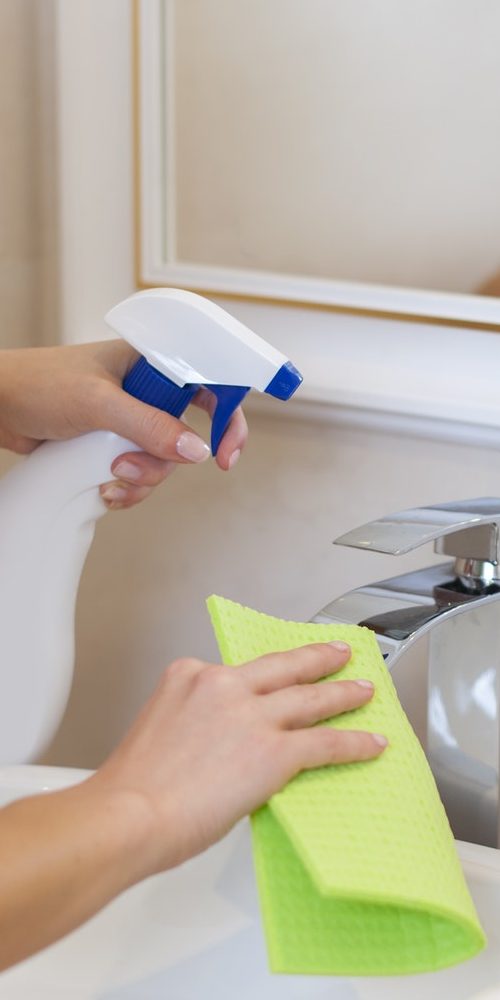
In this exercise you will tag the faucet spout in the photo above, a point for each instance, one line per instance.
(453, 630)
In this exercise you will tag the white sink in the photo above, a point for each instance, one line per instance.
(194, 934)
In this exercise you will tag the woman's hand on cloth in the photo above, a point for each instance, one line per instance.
(214, 743)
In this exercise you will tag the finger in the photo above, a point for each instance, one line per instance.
(157, 433)
(306, 704)
(17, 443)
(233, 442)
(297, 666)
(119, 495)
(326, 745)
(140, 469)
(235, 436)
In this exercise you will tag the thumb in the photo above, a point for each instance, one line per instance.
(156, 432)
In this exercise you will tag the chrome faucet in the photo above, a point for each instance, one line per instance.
(439, 631)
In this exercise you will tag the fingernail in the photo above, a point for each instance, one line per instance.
(114, 493)
(380, 740)
(365, 684)
(342, 647)
(126, 470)
(191, 446)
(234, 458)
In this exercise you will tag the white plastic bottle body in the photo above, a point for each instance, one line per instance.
(49, 505)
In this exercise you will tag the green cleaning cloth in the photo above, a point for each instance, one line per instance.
(356, 864)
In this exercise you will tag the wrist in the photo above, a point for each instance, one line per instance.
(126, 826)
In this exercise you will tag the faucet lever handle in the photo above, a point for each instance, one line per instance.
(467, 529)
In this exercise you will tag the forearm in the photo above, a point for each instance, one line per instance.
(64, 855)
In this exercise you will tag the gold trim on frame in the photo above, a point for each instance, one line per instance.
(270, 300)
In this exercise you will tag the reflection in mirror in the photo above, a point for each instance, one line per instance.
(331, 140)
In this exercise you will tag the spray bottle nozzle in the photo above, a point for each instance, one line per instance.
(187, 342)
(285, 382)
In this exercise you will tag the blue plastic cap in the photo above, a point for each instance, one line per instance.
(150, 386)
(285, 382)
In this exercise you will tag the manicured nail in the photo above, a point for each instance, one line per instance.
(342, 647)
(114, 493)
(126, 470)
(191, 446)
(234, 458)
(365, 684)
(380, 740)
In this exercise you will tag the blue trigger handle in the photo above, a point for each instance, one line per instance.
(228, 398)
(150, 386)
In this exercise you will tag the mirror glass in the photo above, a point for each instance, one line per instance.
(339, 153)
(336, 139)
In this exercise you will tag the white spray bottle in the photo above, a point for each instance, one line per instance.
(49, 503)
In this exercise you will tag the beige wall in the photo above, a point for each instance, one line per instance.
(27, 218)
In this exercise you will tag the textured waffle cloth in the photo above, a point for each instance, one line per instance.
(356, 864)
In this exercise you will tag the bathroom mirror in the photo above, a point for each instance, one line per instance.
(332, 153)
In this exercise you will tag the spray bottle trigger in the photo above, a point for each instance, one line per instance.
(228, 398)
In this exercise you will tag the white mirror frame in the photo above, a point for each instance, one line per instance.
(156, 261)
